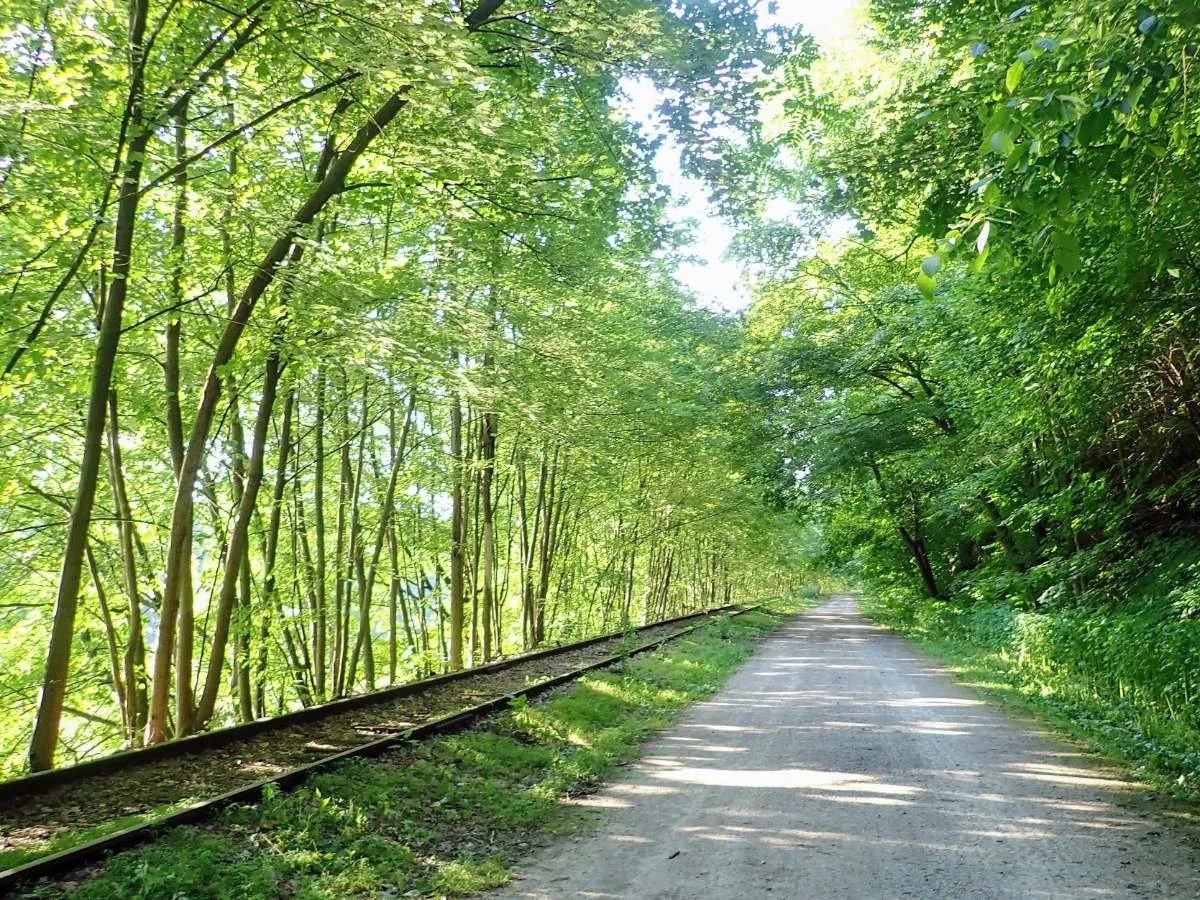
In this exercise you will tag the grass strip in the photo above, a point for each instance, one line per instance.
(446, 817)
(1161, 751)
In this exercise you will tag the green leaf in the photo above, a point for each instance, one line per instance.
(984, 233)
(926, 284)
(1013, 77)
(1066, 252)
(1093, 125)
(1002, 144)
(980, 261)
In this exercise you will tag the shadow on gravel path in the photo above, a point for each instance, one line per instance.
(838, 763)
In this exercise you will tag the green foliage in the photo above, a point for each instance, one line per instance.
(65, 841)
(986, 392)
(988, 389)
(215, 867)
(501, 249)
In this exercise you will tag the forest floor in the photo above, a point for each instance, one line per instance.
(841, 763)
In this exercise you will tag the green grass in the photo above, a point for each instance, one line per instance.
(442, 817)
(1086, 700)
(10, 859)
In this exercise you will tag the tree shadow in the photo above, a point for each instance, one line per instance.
(838, 764)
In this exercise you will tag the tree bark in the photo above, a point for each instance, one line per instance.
(44, 740)
(264, 275)
(238, 540)
(920, 554)
(135, 649)
(346, 672)
(319, 625)
(184, 631)
(110, 640)
(271, 602)
(457, 538)
(547, 481)
(345, 481)
(385, 520)
(487, 455)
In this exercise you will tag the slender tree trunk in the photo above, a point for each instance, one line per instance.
(270, 553)
(264, 274)
(422, 607)
(44, 740)
(487, 454)
(182, 606)
(238, 540)
(395, 603)
(320, 626)
(135, 650)
(110, 640)
(920, 555)
(401, 595)
(240, 624)
(630, 573)
(913, 540)
(345, 480)
(185, 625)
(302, 555)
(354, 555)
(390, 536)
(524, 543)
(385, 521)
(475, 555)
(547, 477)
(457, 538)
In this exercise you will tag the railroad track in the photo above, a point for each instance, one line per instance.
(235, 764)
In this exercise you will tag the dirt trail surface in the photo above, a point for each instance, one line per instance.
(838, 763)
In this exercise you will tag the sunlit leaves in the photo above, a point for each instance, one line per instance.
(984, 233)
(1057, 139)
(1012, 78)
(502, 242)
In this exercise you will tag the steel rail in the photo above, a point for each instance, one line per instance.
(73, 858)
(219, 737)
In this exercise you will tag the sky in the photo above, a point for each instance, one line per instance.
(716, 281)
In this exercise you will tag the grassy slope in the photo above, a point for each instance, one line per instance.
(444, 817)
(1094, 707)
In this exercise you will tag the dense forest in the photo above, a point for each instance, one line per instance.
(341, 346)
(344, 343)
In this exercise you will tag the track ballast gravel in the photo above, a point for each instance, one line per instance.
(31, 822)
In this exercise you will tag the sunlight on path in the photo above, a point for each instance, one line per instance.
(839, 764)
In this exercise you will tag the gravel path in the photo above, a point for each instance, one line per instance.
(838, 763)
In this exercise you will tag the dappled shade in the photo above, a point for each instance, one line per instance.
(838, 764)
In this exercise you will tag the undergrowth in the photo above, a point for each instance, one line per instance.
(1126, 683)
(442, 817)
